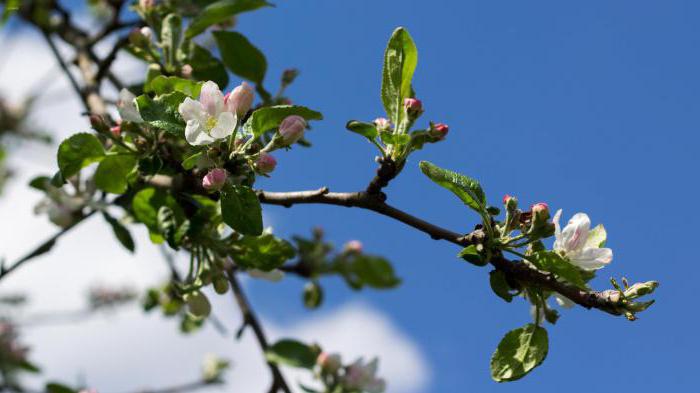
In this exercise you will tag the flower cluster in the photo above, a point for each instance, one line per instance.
(360, 376)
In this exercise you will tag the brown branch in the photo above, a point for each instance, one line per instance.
(515, 270)
(250, 319)
(42, 248)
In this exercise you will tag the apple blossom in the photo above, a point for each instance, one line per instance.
(214, 180)
(383, 124)
(413, 106)
(265, 163)
(362, 377)
(126, 106)
(240, 99)
(353, 246)
(207, 119)
(579, 244)
(292, 129)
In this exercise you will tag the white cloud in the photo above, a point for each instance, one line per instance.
(126, 351)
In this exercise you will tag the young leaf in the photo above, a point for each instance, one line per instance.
(53, 387)
(552, 262)
(270, 117)
(120, 232)
(162, 112)
(191, 161)
(292, 353)
(400, 60)
(264, 252)
(466, 188)
(520, 351)
(240, 209)
(146, 204)
(206, 67)
(313, 295)
(472, 255)
(168, 84)
(395, 139)
(499, 285)
(368, 130)
(221, 11)
(77, 152)
(170, 36)
(111, 174)
(240, 56)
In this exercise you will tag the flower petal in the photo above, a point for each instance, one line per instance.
(191, 110)
(557, 231)
(574, 235)
(591, 258)
(127, 107)
(225, 124)
(195, 134)
(212, 98)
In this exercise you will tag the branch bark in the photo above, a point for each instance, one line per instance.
(516, 270)
(250, 319)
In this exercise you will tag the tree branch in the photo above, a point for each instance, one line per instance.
(250, 319)
(515, 270)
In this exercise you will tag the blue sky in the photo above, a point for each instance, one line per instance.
(589, 107)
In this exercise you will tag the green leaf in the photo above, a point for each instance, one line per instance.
(221, 11)
(170, 36)
(292, 353)
(146, 204)
(264, 252)
(41, 183)
(499, 285)
(472, 255)
(162, 112)
(168, 84)
(368, 130)
(597, 237)
(240, 209)
(206, 67)
(520, 351)
(77, 152)
(267, 118)
(552, 262)
(120, 232)
(395, 139)
(313, 295)
(466, 188)
(11, 6)
(240, 56)
(400, 60)
(191, 161)
(373, 271)
(53, 387)
(112, 173)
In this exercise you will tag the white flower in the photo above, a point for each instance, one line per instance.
(581, 245)
(362, 377)
(127, 107)
(207, 120)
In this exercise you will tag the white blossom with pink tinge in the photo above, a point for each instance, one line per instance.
(580, 244)
(207, 119)
(363, 377)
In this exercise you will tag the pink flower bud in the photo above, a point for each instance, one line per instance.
(540, 211)
(439, 130)
(506, 198)
(186, 71)
(353, 246)
(265, 163)
(289, 75)
(329, 362)
(413, 106)
(240, 99)
(214, 180)
(292, 129)
(116, 130)
(382, 124)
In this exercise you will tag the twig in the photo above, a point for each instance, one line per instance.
(516, 270)
(41, 248)
(65, 69)
(250, 319)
